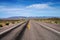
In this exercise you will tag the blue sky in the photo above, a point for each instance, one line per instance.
(28, 8)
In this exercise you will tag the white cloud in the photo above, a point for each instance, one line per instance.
(27, 10)
(39, 6)
(16, 11)
(7, 10)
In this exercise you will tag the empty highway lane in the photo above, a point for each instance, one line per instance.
(35, 31)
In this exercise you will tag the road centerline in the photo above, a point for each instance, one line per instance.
(28, 26)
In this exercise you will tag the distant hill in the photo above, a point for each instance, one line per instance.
(13, 18)
(22, 17)
(17, 17)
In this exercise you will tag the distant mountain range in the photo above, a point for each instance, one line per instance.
(22, 17)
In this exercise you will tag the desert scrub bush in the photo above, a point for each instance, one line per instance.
(13, 22)
(18, 21)
(56, 22)
(1, 25)
(7, 23)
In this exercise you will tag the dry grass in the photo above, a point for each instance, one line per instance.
(49, 20)
(8, 22)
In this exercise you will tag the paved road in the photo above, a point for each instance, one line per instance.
(14, 33)
(10, 26)
(33, 31)
(54, 26)
(37, 32)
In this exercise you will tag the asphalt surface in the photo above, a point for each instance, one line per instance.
(12, 35)
(54, 26)
(8, 26)
(37, 32)
(33, 31)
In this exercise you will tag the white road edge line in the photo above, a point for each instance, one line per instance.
(8, 29)
(51, 29)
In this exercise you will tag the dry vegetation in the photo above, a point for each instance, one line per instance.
(8, 22)
(50, 20)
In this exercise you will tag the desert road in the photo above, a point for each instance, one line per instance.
(33, 30)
